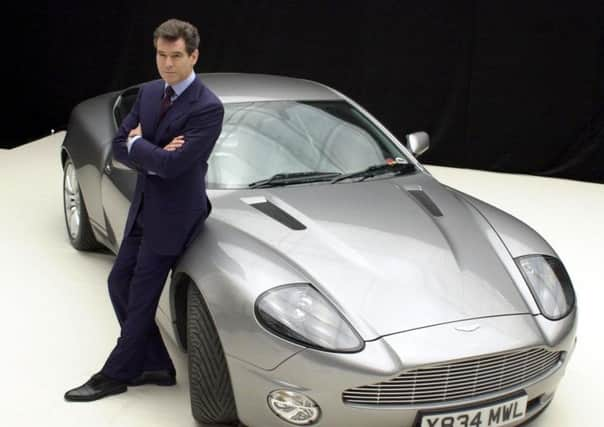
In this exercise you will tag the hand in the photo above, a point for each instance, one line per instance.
(136, 131)
(176, 143)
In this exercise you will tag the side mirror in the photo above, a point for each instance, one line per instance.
(418, 143)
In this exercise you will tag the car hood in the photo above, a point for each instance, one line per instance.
(392, 254)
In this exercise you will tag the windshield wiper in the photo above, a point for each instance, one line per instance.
(294, 178)
(396, 168)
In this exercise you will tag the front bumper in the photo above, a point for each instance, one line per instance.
(325, 376)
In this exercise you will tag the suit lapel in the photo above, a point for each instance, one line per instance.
(150, 109)
(180, 106)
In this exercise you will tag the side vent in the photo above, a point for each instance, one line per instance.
(425, 201)
(275, 212)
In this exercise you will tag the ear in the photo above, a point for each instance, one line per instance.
(195, 56)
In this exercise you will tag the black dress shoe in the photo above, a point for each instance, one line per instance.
(98, 386)
(164, 378)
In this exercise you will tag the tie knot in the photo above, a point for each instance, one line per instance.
(166, 101)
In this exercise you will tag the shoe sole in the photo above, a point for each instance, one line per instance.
(163, 383)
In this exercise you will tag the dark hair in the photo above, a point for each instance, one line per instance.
(174, 29)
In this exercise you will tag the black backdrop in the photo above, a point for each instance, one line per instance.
(500, 85)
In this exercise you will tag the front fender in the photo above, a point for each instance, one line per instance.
(88, 142)
(518, 237)
(231, 269)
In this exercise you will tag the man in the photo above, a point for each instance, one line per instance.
(167, 137)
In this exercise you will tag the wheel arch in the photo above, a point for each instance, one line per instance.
(64, 156)
(178, 307)
(231, 268)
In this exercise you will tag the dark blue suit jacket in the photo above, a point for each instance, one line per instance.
(175, 201)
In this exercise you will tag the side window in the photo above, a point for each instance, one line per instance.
(124, 104)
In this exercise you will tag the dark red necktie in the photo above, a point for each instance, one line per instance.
(166, 101)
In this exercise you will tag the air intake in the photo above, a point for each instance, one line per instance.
(425, 200)
(275, 212)
(458, 380)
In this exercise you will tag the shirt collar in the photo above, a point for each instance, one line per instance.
(180, 87)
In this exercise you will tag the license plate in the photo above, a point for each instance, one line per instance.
(498, 414)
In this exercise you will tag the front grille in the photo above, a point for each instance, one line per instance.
(457, 380)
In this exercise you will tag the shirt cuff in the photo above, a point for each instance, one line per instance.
(129, 144)
(131, 141)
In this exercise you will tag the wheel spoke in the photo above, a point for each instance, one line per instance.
(72, 201)
(74, 222)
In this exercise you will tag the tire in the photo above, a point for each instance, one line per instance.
(212, 400)
(76, 217)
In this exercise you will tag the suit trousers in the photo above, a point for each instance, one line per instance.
(135, 285)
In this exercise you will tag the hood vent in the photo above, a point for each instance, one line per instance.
(425, 201)
(275, 212)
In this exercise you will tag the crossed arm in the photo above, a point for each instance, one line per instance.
(200, 134)
(176, 142)
(195, 145)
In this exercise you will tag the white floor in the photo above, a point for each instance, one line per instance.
(59, 325)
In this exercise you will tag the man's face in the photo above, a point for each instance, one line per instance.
(173, 62)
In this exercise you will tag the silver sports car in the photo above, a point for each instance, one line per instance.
(336, 282)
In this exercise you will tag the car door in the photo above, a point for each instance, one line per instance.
(118, 180)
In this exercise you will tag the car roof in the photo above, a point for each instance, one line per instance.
(242, 87)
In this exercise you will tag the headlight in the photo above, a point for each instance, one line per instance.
(299, 313)
(549, 283)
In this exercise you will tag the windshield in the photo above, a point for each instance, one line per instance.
(262, 139)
